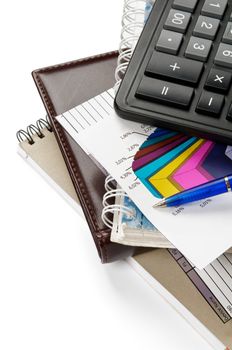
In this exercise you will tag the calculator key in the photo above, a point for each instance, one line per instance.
(210, 104)
(227, 37)
(224, 55)
(198, 48)
(218, 80)
(174, 68)
(169, 42)
(185, 5)
(214, 8)
(206, 27)
(229, 115)
(165, 92)
(177, 21)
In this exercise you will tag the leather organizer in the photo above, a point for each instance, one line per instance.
(62, 87)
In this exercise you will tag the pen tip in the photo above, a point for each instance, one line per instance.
(161, 204)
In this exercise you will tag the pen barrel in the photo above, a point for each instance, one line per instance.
(210, 189)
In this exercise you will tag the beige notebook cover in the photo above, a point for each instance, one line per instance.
(164, 270)
(44, 155)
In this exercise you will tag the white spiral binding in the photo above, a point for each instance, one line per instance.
(110, 183)
(132, 25)
(110, 197)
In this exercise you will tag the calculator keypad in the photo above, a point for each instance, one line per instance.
(185, 73)
(165, 64)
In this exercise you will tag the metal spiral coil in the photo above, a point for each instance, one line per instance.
(131, 30)
(37, 129)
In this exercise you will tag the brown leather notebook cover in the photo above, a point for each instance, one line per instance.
(62, 87)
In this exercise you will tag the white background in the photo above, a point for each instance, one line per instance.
(54, 292)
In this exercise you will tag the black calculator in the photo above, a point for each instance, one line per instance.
(180, 73)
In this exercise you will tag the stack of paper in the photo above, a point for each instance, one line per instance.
(113, 142)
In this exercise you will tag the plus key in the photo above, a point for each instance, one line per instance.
(174, 68)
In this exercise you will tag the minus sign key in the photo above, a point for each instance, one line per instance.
(210, 104)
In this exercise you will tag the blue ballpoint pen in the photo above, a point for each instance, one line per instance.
(210, 189)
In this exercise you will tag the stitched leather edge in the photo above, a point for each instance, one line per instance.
(74, 63)
(68, 154)
(102, 237)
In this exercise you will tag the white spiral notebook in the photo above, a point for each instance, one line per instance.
(197, 296)
(203, 298)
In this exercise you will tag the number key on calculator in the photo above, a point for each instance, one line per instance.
(180, 74)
